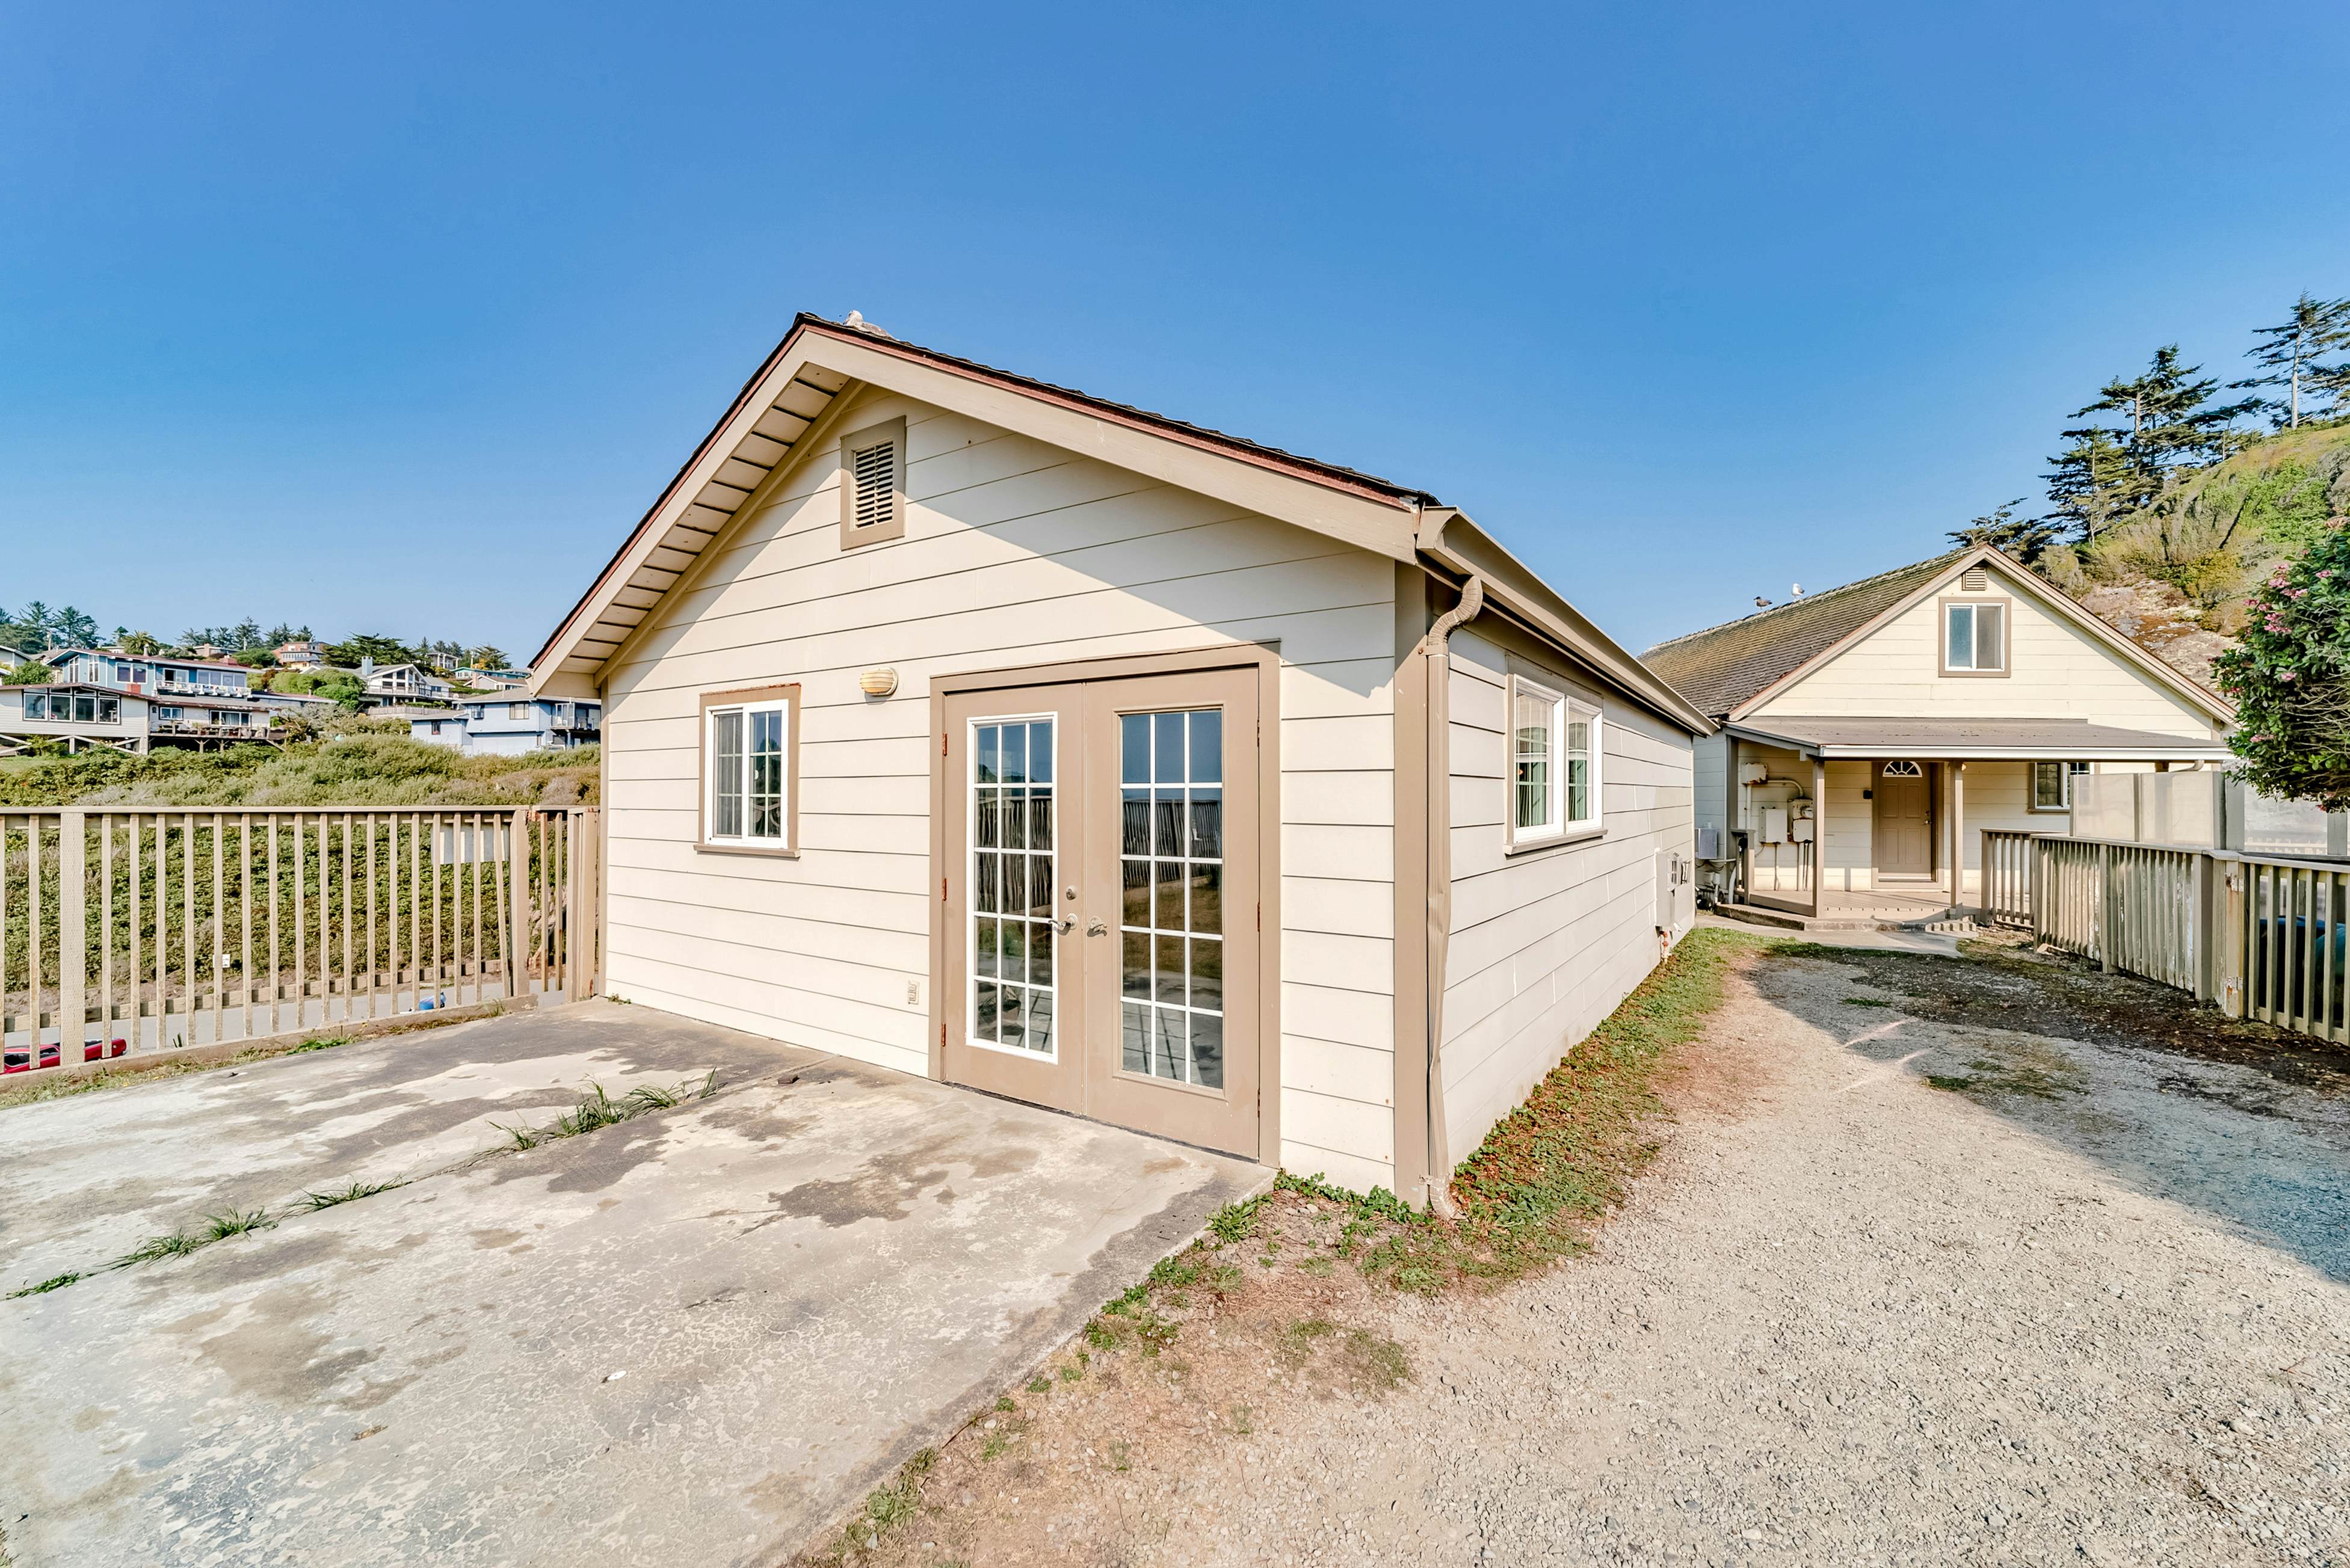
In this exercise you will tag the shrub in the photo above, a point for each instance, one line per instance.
(2290, 678)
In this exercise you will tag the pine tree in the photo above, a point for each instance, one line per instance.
(2291, 352)
(2025, 538)
(2089, 481)
(2173, 424)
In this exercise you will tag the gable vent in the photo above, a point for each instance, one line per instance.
(1975, 581)
(874, 469)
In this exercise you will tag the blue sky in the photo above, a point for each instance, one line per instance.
(395, 319)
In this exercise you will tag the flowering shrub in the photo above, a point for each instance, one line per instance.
(2290, 678)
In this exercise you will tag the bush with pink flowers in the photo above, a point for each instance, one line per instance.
(2290, 678)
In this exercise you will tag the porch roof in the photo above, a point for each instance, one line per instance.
(1962, 740)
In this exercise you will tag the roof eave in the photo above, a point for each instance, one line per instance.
(1455, 540)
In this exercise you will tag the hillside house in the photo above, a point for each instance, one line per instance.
(991, 732)
(505, 726)
(1869, 733)
(80, 716)
(404, 683)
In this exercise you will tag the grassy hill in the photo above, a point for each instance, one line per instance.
(2175, 576)
(345, 769)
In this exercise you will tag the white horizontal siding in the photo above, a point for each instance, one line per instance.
(1015, 553)
(2057, 671)
(1546, 942)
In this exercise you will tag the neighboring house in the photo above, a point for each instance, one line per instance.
(439, 726)
(83, 717)
(1869, 733)
(991, 731)
(492, 679)
(518, 725)
(151, 674)
(404, 683)
(302, 653)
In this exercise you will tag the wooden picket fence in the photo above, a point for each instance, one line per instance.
(2259, 936)
(126, 932)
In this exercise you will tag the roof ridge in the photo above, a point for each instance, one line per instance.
(1808, 598)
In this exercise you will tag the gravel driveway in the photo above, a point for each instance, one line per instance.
(2089, 1302)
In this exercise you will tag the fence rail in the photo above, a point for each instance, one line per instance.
(2264, 937)
(126, 932)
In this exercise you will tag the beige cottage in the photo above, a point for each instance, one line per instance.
(987, 731)
(1867, 734)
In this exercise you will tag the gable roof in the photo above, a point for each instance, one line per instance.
(1719, 667)
(1728, 669)
(784, 410)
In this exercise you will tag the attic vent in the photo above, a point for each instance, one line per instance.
(1975, 581)
(874, 470)
(873, 485)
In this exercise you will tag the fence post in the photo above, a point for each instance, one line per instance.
(518, 910)
(2232, 945)
(2107, 902)
(73, 939)
(2201, 925)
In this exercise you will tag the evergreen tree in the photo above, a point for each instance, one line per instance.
(2089, 481)
(2025, 538)
(2290, 351)
(2173, 424)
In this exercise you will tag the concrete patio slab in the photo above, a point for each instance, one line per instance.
(692, 1337)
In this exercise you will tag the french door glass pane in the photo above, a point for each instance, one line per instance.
(1171, 844)
(1012, 875)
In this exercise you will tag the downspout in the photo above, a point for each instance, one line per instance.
(1439, 669)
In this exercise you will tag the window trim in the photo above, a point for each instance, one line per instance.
(787, 696)
(1565, 706)
(894, 526)
(2006, 609)
(2073, 769)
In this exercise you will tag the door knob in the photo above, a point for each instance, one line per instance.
(1063, 927)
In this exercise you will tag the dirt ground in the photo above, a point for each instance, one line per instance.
(1982, 1261)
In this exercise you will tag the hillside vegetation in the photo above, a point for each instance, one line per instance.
(345, 769)
(2175, 576)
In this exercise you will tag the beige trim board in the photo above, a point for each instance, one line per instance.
(1265, 659)
(788, 694)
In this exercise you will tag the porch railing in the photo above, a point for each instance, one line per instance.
(2007, 878)
(126, 932)
(2261, 936)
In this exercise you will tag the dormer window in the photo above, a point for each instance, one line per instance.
(1974, 636)
(873, 485)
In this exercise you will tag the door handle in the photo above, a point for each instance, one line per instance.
(1063, 927)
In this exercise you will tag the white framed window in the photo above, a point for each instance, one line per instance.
(1974, 636)
(2051, 784)
(1554, 760)
(747, 744)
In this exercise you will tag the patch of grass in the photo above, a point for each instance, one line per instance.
(886, 1509)
(1865, 1002)
(351, 1194)
(1377, 1361)
(1071, 1371)
(1957, 1085)
(1243, 1420)
(2041, 1074)
(1040, 1384)
(1562, 1159)
(323, 1043)
(155, 1249)
(1004, 1405)
(234, 1222)
(1236, 1221)
(54, 1283)
(598, 1109)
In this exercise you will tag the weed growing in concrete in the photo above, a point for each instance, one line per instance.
(524, 1135)
(886, 1509)
(322, 1043)
(351, 1194)
(599, 1109)
(234, 1222)
(54, 1283)
(155, 1249)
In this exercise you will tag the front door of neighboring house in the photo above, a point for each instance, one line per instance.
(1901, 825)
(1093, 960)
